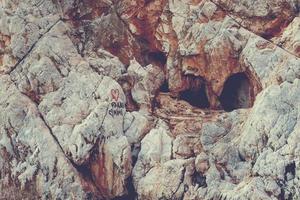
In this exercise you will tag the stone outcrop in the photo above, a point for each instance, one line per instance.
(149, 99)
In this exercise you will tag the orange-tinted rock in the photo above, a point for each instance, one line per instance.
(142, 17)
(111, 167)
(206, 45)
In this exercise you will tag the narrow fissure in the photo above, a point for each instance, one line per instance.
(200, 179)
(165, 87)
(131, 192)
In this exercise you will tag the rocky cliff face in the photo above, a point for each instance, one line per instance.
(150, 99)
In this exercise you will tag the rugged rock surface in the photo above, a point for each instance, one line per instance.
(149, 99)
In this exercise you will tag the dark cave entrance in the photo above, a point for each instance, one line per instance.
(236, 92)
(196, 96)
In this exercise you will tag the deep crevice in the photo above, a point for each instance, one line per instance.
(164, 87)
(200, 179)
(290, 169)
(131, 192)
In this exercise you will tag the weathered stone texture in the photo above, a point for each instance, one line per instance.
(149, 99)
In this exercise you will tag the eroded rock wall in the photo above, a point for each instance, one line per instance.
(149, 99)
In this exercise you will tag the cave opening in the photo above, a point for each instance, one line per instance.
(196, 96)
(236, 92)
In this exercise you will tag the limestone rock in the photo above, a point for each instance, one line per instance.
(201, 162)
(166, 181)
(186, 146)
(136, 126)
(272, 65)
(156, 149)
(265, 18)
(106, 64)
(31, 158)
(289, 39)
(74, 101)
(112, 166)
(146, 81)
(149, 99)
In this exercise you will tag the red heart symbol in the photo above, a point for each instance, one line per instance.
(115, 94)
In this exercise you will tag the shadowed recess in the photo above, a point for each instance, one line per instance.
(196, 96)
(156, 57)
(164, 87)
(236, 92)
